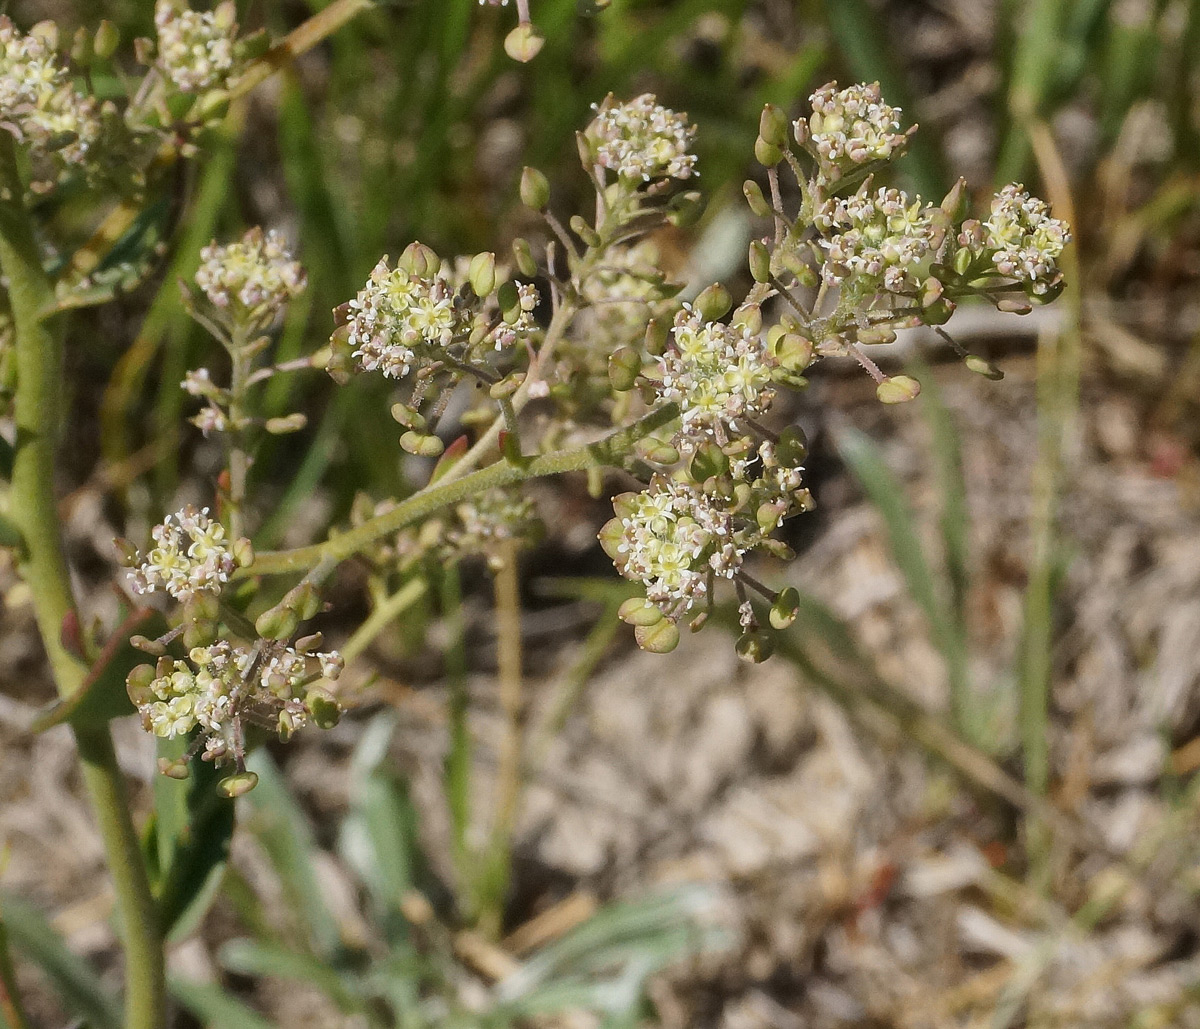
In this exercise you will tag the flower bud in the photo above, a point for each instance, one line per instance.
(526, 265)
(535, 189)
(624, 367)
(287, 424)
(639, 611)
(983, 367)
(106, 40)
(660, 638)
(773, 126)
(482, 274)
(760, 261)
(422, 444)
(420, 260)
(713, 302)
(656, 452)
(238, 785)
(584, 231)
(524, 43)
(657, 330)
(177, 769)
(754, 197)
(243, 552)
(899, 389)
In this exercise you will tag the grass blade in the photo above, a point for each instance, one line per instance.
(214, 1007)
(77, 985)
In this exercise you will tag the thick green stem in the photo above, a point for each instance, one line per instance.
(43, 566)
(239, 460)
(607, 452)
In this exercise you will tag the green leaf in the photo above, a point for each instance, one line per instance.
(279, 824)
(193, 829)
(214, 1007)
(75, 982)
(379, 835)
(253, 958)
(102, 696)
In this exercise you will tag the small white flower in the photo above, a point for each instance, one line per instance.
(641, 140)
(191, 555)
(852, 126)
(1025, 242)
(195, 48)
(254, 277)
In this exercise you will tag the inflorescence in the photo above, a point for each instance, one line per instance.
(196, 49)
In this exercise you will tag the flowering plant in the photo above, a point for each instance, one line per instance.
(573, 354)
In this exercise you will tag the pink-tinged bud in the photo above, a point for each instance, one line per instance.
(899, 389)
(524, 43)
(660, 638)
(238, 785)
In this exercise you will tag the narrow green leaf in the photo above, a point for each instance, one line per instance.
(214, 1007)
(279, 824)
(102, 696)
(254, 958)
(76, 983)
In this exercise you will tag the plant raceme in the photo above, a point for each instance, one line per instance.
(578, 358)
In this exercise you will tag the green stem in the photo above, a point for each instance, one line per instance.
(607, 452)
(239, 461)
(43, 566)
(12, 1013)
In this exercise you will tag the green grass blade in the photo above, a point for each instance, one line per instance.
(255, 958)
(78, 986)
(213, 1007)
(280, 826)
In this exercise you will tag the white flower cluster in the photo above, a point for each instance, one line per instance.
(485, 521)
(1024, 241)
(196, 49)
(718, 374)
(253, 278)
(641, 140)
(397, 313)
(224, 684)
(674, 538)
(883, 235)
(191, 555)
(852, 126)
(38, 103)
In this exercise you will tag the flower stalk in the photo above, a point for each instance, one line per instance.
(44, 567)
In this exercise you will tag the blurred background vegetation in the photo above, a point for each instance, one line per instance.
(411, 123)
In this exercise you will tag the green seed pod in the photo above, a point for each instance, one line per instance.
(962, 260)
(535, 189)
(760, 261)
(507, 386)
(276, 623)
(748, 317)
(326, 712)
(792, 449)
(304, 600)
(755, 647)
(482, 274)
(287, 424)
(639, 611)
(137, 684)
(793, 352)
(709, 461)
(769, 515)
(611, 535)
(899, 389)
(659, 638)
(307, 644)
(754, 197)
(713, 302)
(773, 126)
(785, 608)
(81, 47)
(1014, 305)
(407, 416)
(624, 367)
(524, 43)
(876, 334)
(939, 312)
(147, 646)
(422, 445)
(684, 210)
(238, 785)
(767, 154)
(106, 40)
(509, 300)
(127, 553)
(523, 256)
